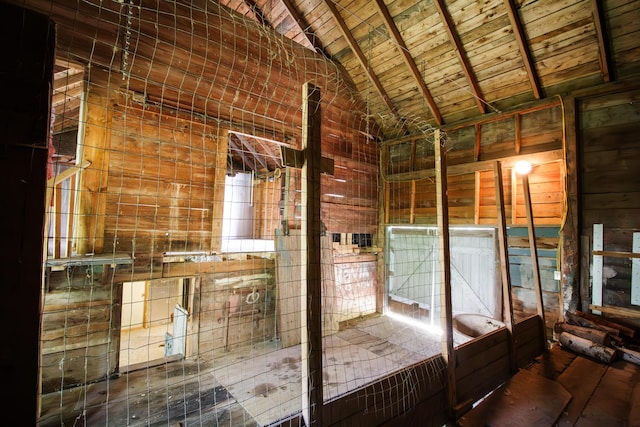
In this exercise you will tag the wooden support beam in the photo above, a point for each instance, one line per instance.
(603, 44)
(523, 45)
(534, 256)
(217, 208)
(476, 149)
(311, 327)
(569, 230)
(460, 53)
(503, 246)
(311, 40)
(408, 60)
(95, 149)
(476, 198)
(446, 314)
(518, 125)
(635, 270)
(412, 212)
(355, 48)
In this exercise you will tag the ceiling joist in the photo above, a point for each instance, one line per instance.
(518, 31)
(603, 50)
(460, 53)
(409, 61)
(303, 27)
(353, 44)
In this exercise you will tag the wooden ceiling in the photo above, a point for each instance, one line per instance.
(415, 63)
(442, 61)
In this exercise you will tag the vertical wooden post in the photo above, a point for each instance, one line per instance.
(217, 208)
(534, 255)
(311, 328)
(507, 302)
(635, 270)
(569, 231)
(92, 203)
(412, 213)
(446, 316)
(518, 133)
(476, 199)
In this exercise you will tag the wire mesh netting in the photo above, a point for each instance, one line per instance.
(174, 287)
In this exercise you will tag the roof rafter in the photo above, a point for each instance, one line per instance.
(603, 51)
(460, 53)
(257, 157)
(408, 59)
(303, 26)
(353, 44)
(525, 52)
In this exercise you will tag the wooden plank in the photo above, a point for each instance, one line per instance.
(504, 407)
(311, 298)
(534, 255)
(446, 317)
(525, 49)
(92, 185)
(580, 379)
(609, 405)
(616, 311)
(504, 264)
(596, 285)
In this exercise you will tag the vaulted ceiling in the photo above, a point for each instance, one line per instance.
(442, 61)
(433, 62)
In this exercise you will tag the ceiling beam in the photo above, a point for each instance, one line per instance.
(525, 52)
(257, 12)
(256, 156)
(460, 53)
(353, 44)
(303, 27)
(603, 46)
(408, 59)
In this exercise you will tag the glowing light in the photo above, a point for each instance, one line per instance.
(415, 323)
(523, 167)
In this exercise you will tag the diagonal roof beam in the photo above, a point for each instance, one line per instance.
(256, 156)
(257, 12)
(603, 50)
(353, 44)
(408, 59)
(303, 26)
(525, 52)
(460, 53)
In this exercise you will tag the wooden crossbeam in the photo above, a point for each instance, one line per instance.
(303, 27)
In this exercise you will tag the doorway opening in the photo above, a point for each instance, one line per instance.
(154, 322)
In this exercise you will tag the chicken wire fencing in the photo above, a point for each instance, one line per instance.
(174, 265)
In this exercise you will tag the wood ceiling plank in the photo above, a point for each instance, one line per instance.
(302, 25)
(464, 62)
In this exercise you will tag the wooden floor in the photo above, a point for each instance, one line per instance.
(261, 384)
(563, 389)
(252, 386)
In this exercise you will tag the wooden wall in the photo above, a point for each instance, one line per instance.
(535, 134)
(609, 157)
